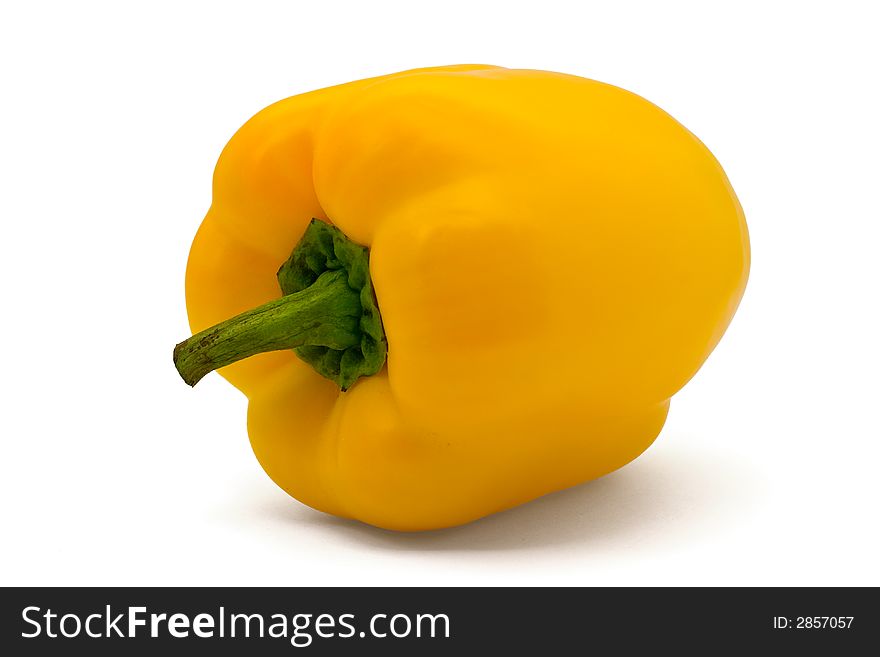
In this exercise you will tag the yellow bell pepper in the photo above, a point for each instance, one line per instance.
(552, 259)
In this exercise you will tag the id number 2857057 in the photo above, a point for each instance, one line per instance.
(813, 622)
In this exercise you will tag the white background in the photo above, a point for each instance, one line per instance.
(115, 472)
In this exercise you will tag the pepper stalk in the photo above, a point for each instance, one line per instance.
(328, 315)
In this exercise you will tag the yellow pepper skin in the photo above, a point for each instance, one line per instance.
(553, 258)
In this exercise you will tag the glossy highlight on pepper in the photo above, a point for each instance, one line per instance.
(449, 291)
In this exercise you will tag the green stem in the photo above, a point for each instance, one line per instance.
(325, 314)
